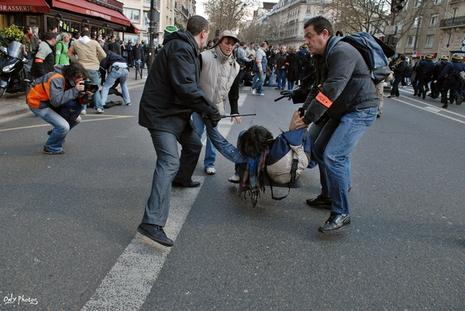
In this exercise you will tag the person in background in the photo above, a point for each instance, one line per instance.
(398, 67)
(292, 68)
(117, 68)
(44, 60)
(89, 54)
(61, 50)
(281, 68)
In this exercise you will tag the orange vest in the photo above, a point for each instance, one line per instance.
(40, 92)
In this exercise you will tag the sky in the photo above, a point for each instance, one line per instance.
(200, 10)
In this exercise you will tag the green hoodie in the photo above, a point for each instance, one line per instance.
(61, 53)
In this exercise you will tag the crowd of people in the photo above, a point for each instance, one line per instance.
(444, 78)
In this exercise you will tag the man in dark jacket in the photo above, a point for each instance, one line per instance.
(454, 82)
(424, 75)
(348, 95)
(44, 60)
(399, 67)
(171, 94)
(437, 83)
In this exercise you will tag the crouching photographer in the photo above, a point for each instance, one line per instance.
(57, 97)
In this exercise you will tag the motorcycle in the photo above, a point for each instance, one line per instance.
(13, 76)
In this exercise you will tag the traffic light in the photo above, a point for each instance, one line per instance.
(397, 5)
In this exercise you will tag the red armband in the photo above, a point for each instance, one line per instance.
(324, 100)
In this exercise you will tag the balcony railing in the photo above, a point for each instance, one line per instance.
(453, 22)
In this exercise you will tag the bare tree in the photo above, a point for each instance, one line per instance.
(374, 15)
(361, 15)
(226, 14)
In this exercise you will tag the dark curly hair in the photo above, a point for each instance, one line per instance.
(254, 141)
(73, 71)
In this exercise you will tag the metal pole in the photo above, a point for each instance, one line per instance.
(151, 34)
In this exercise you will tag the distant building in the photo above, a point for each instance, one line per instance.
(183, 10)
(452, 28)
(284, 23)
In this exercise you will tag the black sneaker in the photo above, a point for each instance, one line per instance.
(155, 233)
(320, 202)
(50, 152)
(335, 222)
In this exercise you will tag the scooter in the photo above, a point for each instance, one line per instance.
(13, 76)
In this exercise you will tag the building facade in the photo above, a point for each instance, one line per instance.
(452, 29)
(102, 17)
(284, 23)
(166, 12)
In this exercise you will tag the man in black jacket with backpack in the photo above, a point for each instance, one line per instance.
(171, 94)
(348, 96)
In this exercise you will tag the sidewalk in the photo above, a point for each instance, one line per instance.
(13, 106)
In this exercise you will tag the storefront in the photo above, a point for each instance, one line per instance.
(102, 17)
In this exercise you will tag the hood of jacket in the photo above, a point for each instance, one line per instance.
(185, 36)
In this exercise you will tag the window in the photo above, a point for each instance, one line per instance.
(132, 14)
(417, 22)
(434, 20)
(418, 3)
(429, 41)
(410, 41)
(437, 2)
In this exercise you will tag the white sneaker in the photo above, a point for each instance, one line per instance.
(234, 179)
(262, 94)
(99, 110)
(83, 112)
(254, 92)
(210, 170)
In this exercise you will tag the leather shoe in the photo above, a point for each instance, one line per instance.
(155, 233)
(189, 184)
(335, 222)
(320, 201)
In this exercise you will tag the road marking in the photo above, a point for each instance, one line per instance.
(130, 280)
(430, 105)
(429, 110)
(48, 125)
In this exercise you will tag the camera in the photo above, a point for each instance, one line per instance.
(90, 87)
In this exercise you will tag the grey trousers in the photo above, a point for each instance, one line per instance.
(168, 168)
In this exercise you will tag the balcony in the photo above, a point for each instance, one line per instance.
(458, 21)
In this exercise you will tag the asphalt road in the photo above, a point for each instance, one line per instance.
(66, 220)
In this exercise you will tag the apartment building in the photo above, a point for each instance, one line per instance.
(138, 11)
(452, 28)
(284, 24)
(183, 9)
(424, 36)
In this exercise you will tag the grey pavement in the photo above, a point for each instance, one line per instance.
(65, 220)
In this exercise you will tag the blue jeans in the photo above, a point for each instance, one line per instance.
(169, 167)
(281, 79)
(260, 81)
(122, 75)
(94, 77)
(60, 128)
(228, 150)
(210, 154)
(255, 81)
(335, 159)
(290, 85)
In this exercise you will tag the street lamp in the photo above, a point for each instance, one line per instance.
(152, 23)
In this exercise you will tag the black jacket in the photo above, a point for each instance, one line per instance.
(172, 91)
(111, 58)
(346, 87)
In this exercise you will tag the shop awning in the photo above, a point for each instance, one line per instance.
(134, 29)
(24, 6)
(92, 9)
